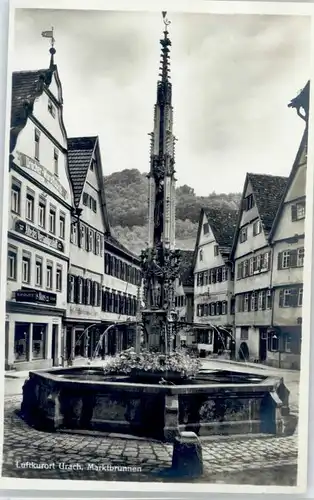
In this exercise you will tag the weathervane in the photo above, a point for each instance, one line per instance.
(165, 19)
(52, 50)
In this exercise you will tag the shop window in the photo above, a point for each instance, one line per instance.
(39, 341)
(80, 343)
(272, 342)
(21, 341)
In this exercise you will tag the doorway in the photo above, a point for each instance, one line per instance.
(54, 346)
(262, 344)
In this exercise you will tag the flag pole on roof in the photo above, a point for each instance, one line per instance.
(52, 50)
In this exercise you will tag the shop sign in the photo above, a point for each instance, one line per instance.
(36, 297)
(44, 238)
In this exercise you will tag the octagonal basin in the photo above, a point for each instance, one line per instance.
(216, 402)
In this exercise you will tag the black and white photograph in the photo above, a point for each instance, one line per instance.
(156, 171)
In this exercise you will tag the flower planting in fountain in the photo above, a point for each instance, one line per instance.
(129, 362)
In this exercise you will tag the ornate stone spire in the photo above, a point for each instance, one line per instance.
(161, 176)
(160, 261)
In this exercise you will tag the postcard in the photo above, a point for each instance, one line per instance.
(158, 223)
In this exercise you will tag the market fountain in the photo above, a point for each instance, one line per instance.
(159, 392)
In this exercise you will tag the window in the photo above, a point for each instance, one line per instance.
(71, 288)
(240, 271)
(262, 300)
(97, 244)
(52, 220)
(39, 341)
(93, 204)
(62, 226)
(80, 290)
(272, 342)
(286, 342)
(224, 274)
(286, 298)
(82, 235)
(257, 228)
(42, 213)
(251, 271)
(206, 228)
(269, 299)
(91, 243)
(15, 196)
(73, 236)
(216, 250)
(245, 268)
(56, 161)
(243, 234)
(246, 302)
(59, 279)
(92, 165)
(244, 334)
(12, 263)
(254, 301)
(298, 211)
(300, 297)
(300, 257)
(265, 262)
(30, 206)
(285, 259)
(49, 278)
(224, 307)
(201, 254)
(87, 292)
(21, 341)
(37, 139)
(26, 267)
(39, 272)
(85, 199)
(51, 109)
(213, 309)
(248, 202)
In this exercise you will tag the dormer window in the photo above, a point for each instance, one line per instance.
(37, 139)
(248, 202)
(51, 109)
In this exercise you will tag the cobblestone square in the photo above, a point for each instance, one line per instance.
(29, 453)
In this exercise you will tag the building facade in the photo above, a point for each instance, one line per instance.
(287, 240)
(213, 281)
(252, 256)
(184, 298)
(101, 287)
(39, 222)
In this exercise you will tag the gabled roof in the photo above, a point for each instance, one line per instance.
(302, 147)
(186, 267)
(223, 224)
(80, 152)
(26, 86)
(268, 191)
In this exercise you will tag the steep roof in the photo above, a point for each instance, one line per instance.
(186, 267)
(80, 151)
(26, 86)
(268, 191)
(223, 224)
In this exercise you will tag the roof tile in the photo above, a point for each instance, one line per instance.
(80, 151)
(223, 223)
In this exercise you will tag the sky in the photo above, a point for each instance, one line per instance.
(232, 75)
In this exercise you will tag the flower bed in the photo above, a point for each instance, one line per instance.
(131, 362)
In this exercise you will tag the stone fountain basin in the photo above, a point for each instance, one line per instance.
(216, 402)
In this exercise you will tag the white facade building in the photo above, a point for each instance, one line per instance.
(252, 257)
(95, 298)
(39, 222)
(213, 281)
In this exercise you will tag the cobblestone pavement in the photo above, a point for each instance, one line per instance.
(77, 456)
